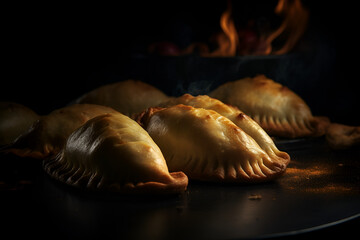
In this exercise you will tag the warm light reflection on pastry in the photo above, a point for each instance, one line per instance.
(128, 97)
(277, 109)
(47, 136)
(113, 152)
(208, 146)
(240, 119)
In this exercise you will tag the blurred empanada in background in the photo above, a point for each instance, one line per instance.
(15, 119)
(128, 97)
(277, 109)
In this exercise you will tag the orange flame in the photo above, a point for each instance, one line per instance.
(232, 42)
(292, 28)
(294, 25)
(228, 40)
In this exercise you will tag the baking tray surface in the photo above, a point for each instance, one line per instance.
(320, 188)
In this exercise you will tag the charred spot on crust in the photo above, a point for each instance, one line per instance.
(240, 116)
(143, 118)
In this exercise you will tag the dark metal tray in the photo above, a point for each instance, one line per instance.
(320, 189)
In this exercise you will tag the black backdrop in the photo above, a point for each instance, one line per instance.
(53, 53)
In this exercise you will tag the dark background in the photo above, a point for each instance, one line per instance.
(55, 52)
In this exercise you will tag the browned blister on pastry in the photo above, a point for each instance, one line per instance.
(247, 124)
(15, 119)
(114, 153)
(48, 135)
(208, 146)
(128, 97)
(277, 109)
(340, 136)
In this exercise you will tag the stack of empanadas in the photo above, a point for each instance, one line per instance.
(94, 144)
(112, 152)
(95, 147)
(130, 137)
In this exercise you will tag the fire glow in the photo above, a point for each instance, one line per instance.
(231, 41)
(294, 25)
(292, 28)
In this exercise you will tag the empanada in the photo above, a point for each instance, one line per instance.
(15, 119)
(113, 152)
(277, 109)
(208, 146)
(128, 97)
(340, 136)
(48, 135)
(247, 124)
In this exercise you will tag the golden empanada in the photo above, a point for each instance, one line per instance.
(340, 136)
(113, 152)
(15, 119)
(277, 109)
(48, 135)
(247, 124)
(208, 146)
(128, 97)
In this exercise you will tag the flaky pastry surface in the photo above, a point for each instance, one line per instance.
(247, 124)
(208, 146)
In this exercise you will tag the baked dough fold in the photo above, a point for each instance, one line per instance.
(277, 109)
(112, 152)
(208, 146)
